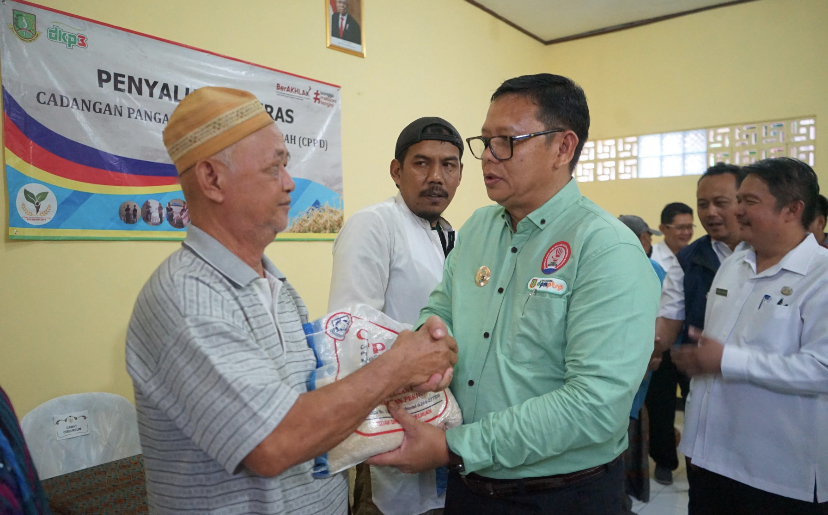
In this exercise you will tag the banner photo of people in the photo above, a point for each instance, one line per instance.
(84, 109)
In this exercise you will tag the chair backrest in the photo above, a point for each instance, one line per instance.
(112, 432)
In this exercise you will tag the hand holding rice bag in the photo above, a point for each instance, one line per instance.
(343, 342)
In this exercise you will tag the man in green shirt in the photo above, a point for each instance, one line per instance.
(553, 303)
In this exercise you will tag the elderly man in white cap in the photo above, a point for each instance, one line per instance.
(216, 348)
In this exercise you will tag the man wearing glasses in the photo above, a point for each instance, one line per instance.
(677, 227)
(552, 302)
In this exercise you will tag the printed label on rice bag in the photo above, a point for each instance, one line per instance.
(425, 407)
(348, 332)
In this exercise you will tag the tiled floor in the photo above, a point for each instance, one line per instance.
(667, 500)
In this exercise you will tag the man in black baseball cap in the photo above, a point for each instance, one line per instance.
(390, 256)
(427, 166)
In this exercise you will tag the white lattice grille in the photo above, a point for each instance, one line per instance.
(584, 172)
(691, 152)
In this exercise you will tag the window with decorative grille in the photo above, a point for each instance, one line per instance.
(691, 152)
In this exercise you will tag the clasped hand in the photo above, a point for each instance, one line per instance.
(704, 358)
(427, 355)
(423, 352)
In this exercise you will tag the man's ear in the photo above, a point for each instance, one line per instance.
(566, 151)
(461, 173)
(661, 228)
(794, 211)
(210, 180)
(396, 170)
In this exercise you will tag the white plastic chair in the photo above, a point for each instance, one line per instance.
(113, 433)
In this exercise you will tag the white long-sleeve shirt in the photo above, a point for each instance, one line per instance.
(387, 257)
(672, 292)
(763, 421)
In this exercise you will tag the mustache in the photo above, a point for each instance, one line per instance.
(435, 190)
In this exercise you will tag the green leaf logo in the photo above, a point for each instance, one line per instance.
(35, 200)
(36, 204)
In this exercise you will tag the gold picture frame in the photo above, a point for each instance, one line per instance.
(342, 31)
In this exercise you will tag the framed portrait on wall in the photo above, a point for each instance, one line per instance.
(344, 30)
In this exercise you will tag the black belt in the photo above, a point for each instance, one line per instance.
(489, 487)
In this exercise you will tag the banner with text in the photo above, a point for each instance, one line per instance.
(85, 105)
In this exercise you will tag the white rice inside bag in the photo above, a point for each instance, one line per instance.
(343, 342)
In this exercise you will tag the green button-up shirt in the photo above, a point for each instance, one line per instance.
(549, 360)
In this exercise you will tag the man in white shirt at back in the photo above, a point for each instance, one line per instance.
(390, 256)
(758, 406)
(677, 227)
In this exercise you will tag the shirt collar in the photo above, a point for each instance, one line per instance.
(797, 260)
(543, 216)
(663, 251)
(723, 251)
(228, 264)
(400, 201)
(722, 246)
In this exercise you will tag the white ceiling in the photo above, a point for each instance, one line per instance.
(549, 20)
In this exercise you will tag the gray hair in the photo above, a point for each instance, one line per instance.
(225, 156)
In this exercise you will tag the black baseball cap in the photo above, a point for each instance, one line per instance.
(413, 133)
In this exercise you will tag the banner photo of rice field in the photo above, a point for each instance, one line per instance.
(84, 109)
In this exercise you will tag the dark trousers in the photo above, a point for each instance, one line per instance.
(719, 495)
(636, 464)
(599, 495)
(661, 406)
(693, 488)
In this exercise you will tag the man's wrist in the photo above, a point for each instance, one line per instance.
(390, 366)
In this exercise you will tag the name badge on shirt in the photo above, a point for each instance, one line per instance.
(722, 292)
(556, 286)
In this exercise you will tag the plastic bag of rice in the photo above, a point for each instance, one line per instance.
(343, 342)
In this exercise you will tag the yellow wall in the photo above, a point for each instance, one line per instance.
(745, 63)
(65, 305)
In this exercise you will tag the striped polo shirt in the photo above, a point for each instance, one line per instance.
(213, 376)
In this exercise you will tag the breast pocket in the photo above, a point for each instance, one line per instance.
(775, 329)
(538, 331)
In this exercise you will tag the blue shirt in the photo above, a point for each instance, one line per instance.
(638, 401)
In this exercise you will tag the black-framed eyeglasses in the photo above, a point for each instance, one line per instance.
(502, 147)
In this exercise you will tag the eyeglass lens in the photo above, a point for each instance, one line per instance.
(500, 145)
